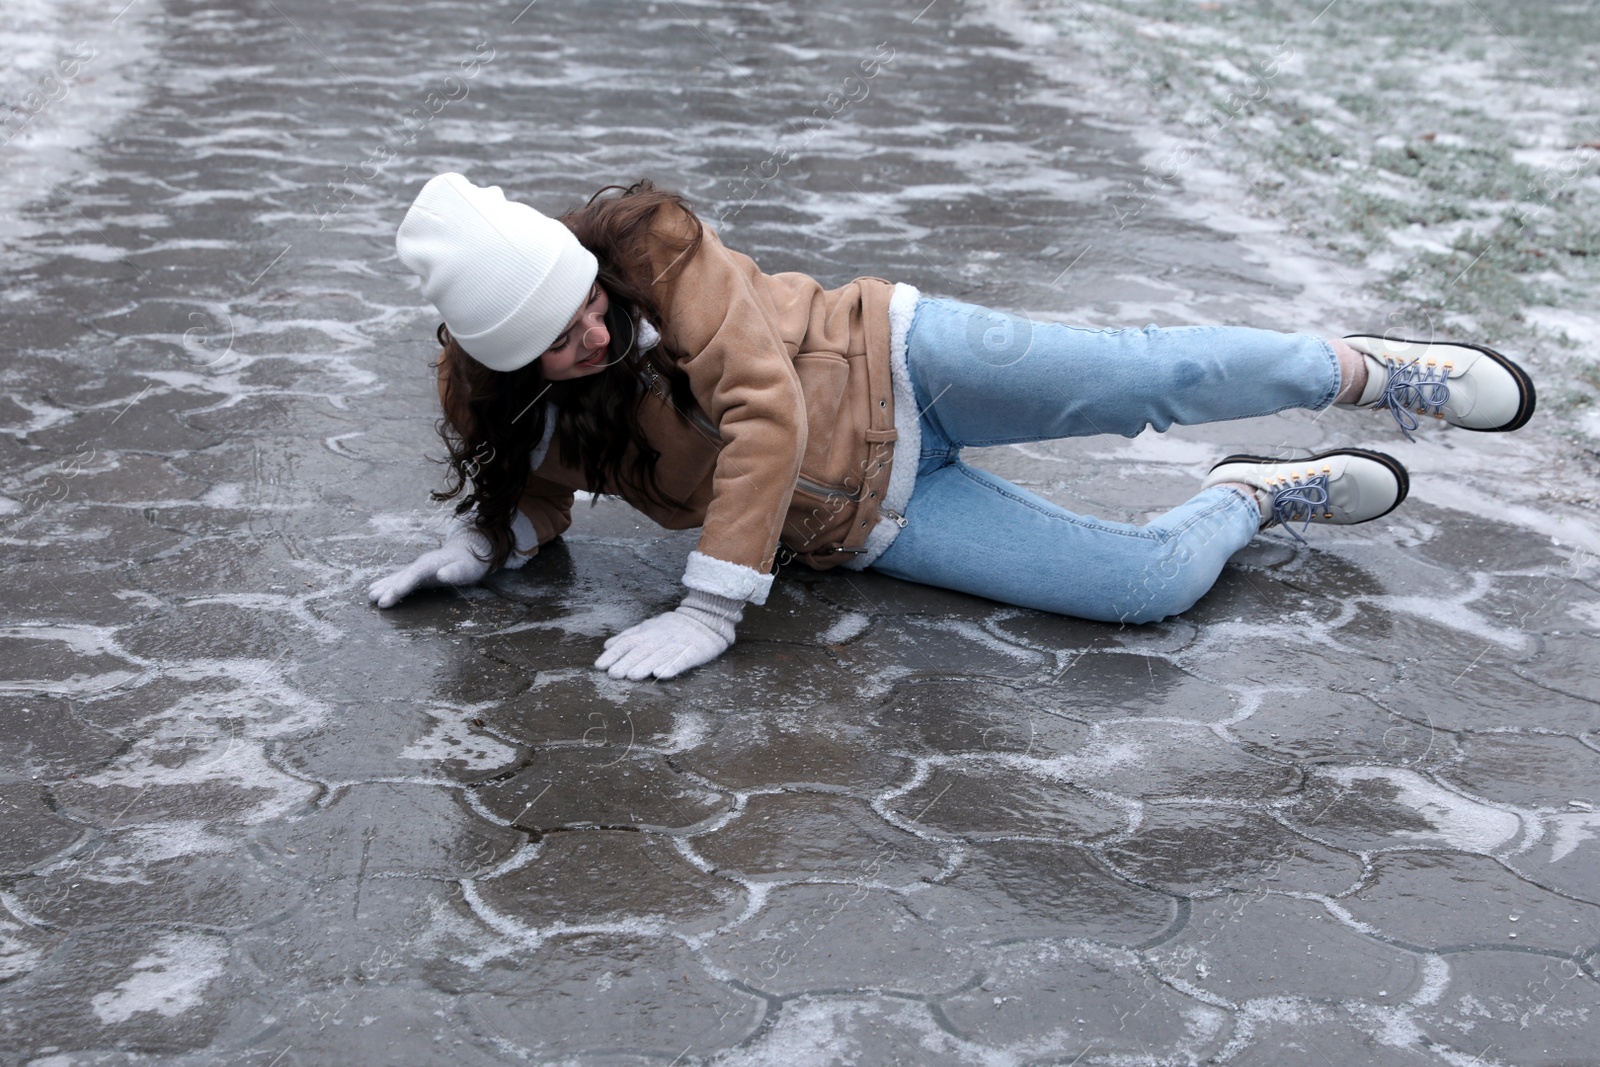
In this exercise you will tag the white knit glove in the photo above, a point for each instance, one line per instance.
(697, 631)
(461, 560)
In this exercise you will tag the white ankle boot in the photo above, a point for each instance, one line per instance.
(1345, 486)
(1469, 386)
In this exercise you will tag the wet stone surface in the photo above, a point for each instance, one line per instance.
(1083, 997)
(1345, 810)
(1243, 947)
(1197, 851)
(842, 937)
(595, 877)
(988, 801)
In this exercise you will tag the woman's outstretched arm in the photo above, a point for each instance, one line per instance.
(719, 316)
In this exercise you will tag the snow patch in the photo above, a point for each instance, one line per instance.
(16, 955)
(847, 627)
(450, 739)
(169, 981)
(1466, 824)
(243, 766)
(1568, 831)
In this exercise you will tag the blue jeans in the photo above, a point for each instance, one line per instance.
(986, 378)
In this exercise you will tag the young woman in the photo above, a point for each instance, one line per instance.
(624, 349)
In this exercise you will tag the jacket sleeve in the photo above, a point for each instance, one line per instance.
(720, 319)
(548, 505)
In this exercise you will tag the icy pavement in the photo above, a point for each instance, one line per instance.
(1343, 812)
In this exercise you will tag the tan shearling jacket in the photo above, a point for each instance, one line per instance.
(794, 437)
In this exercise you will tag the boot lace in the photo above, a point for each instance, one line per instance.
(1300, 500)
(1415, 387)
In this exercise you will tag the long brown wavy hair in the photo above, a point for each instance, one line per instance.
(493, 420)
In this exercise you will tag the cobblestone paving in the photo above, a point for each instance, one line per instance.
(1342, 812)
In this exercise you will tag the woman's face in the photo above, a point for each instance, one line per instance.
(581, 349)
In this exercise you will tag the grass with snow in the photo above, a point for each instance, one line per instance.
(1449, 150)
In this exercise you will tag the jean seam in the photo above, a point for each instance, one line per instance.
(1184, 526)
(997, 442)
(1323, 400)
(1249, 502)
(1140, 532)
(911, 335)
(1332, 392)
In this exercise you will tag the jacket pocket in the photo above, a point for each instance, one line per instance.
(824, 377)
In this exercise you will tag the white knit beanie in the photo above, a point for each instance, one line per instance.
(506, 278)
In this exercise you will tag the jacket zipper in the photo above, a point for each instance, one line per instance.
(654, 383)
(698, 417)
(823, 490)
